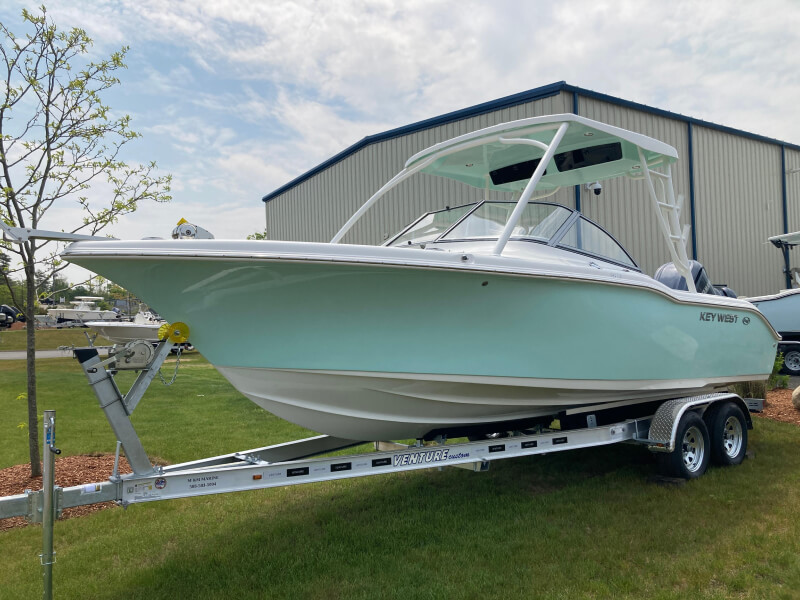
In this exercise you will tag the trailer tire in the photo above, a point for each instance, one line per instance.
(727, 429)
(689, 459)
(791, 362)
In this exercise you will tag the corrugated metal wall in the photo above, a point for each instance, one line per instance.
(738, 199)
(793, 199)
(624, 208)
(738, 193)
(315, 209)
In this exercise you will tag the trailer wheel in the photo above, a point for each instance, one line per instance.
(791, 362)
(689, 460)
(727, 428)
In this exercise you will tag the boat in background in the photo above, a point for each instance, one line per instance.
(84, 309)
(497, 314)
(783, 309)
(783, 312)
(144, 326)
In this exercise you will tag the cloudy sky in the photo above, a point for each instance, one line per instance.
(236, 98)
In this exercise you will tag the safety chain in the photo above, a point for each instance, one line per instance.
(175, 373)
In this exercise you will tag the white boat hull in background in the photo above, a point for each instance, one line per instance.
(782, 310)
(70, 314)
(123, 332)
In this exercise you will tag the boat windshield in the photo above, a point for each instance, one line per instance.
(586, 237)
(538, 222)
(431, 225)
(552, 224)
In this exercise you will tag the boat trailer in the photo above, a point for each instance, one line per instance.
(309, 460)
(301, 461)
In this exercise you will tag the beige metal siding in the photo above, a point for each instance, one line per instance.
(624, 207)
(738, 206)
(793, 200)
(793, 195)
(315, 209)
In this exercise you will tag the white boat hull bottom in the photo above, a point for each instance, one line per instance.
(391, 406)
(123, 332)
(82, 315)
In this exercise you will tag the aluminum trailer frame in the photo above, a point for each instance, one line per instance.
(302, 461)
(252, 469)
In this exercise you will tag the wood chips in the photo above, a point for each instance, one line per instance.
(70, 470)
(779, 407)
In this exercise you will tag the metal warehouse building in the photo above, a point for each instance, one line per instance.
(739, 188)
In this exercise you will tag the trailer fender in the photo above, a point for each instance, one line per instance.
(664, 425)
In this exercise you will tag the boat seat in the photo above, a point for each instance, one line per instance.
(669, 276)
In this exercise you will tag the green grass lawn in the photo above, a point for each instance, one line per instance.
(49, 339)
(581, 524)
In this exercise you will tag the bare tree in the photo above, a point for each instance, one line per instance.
(57, 140)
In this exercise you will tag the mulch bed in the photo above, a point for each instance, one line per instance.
(778, 407)
(76, 470)
(70, 470)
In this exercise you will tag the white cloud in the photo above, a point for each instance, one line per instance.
(170, 82)
(320, 131)
(733, 63)
(192, 135)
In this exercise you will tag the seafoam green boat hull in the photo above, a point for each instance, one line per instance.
(392, 319)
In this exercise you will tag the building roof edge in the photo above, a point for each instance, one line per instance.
(504, 102)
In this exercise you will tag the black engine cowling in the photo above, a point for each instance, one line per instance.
(669, 276)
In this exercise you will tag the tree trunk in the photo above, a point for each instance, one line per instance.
(30, 337)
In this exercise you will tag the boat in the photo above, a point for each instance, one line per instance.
(83, 309)
(783, 312)
(497, 313)
(144, 326)
(782, 309)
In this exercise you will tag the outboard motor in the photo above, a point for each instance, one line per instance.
(725, 290)
(669, 276)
